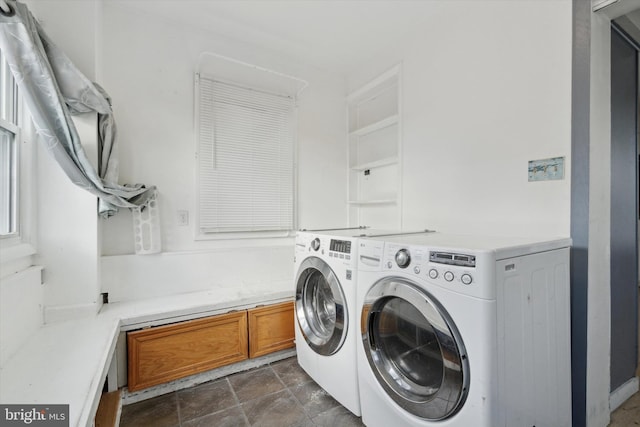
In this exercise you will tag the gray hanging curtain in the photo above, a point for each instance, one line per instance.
(54, 89)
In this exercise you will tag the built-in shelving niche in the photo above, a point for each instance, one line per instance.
(374, 144)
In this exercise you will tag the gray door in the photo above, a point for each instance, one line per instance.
(321, 309)
(624, 211)
(414, 349)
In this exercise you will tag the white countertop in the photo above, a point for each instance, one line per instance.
(67, 362)
(136, 314)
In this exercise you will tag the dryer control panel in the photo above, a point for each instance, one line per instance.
(461, 270)
(449, 258)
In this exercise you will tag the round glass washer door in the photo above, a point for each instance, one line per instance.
(414, 349)
(320, 307)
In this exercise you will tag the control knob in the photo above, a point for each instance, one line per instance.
(403, 258)
(315, 244)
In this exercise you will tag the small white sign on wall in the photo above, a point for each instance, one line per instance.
(546, 169)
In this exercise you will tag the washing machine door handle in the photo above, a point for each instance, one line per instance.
(371, 337)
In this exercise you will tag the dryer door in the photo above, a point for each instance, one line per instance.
(320, 307)
(414, 349)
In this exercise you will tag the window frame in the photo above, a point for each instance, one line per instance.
(17, 247)
(9, 122)
(14, 172)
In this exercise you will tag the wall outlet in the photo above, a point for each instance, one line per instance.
(183, 218)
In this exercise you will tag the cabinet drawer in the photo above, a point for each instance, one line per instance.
(166, 353)
(271, 329)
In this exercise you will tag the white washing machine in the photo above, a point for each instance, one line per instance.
(460, 331)
(326, 326)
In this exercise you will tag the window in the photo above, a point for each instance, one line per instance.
(9, 156)
(245, 158)
(17, 178)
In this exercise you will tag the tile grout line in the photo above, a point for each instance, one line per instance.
(235, 405)
(286, 387)
(233, 392)
(311, 380)
(178, 412)
(306, 413)
(287, 372)
(239, 404)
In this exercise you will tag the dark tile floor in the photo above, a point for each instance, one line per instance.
(280, 395)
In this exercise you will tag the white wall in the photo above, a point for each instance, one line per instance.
(21, 302)
(486, 88)
(68, 238)
(64, 227)
(55, 16)
(148, 69)
(67, 224)
(476, 97)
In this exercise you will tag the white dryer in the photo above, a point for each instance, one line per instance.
(326, 326)
(461, 331)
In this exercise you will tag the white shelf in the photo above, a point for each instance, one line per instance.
(374, 143)
(379, 125)
(376, 164)
(384, 79)
(373, 202)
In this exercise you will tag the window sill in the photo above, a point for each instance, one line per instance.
(246, 235)
(10, 252)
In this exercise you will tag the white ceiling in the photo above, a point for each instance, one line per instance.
(328, 34)
(333, 35)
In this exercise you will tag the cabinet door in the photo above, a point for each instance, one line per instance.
(165, 353)
(271, 329)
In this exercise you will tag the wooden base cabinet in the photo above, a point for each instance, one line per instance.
(165, 353)
(271, 329)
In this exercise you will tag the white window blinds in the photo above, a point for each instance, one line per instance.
(245, 158)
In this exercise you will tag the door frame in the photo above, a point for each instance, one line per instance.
(624, 211)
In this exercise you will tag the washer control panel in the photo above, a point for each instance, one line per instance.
(327, 247)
